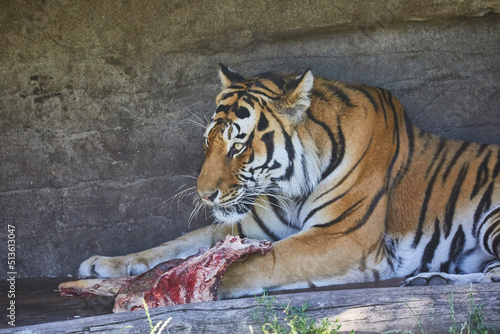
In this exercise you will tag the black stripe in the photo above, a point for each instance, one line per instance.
(338, 148)
(301, 203)
(481, 149)
(263, 226)
(338, 152)
(303, 162)
(492, 213)
(395, 137)
(318, 94)
(253, 91)
(249, 144)
(442, 142)
(291, 155)
(242, 177)
(389, 99)
(457, 245)
(430, 248)
(237, 126)
(322, 206)
(482, 207)
(494, 228)
(411, 148)
(343, 216)
(241, 234)
(238, 93)
(382, 100)
(263, 122)
(263, 104)
(454, 160)
(279, 81)
(374, 203)
(249, 99)
(411, 136)
(223, 108)
(349, 173)
(390, 251)
(268, 140)
(241, 135)
(452, 201)
(368, 96)
(339, 94)
(278, 211)
(496, 245)
(376, 275)
(425, 203)
(242, 112)
(257, 99)
(496, 170)
(280, 85)
(481, 176)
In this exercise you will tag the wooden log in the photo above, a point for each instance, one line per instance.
(417, 309)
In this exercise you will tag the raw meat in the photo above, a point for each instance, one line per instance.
(194, 279)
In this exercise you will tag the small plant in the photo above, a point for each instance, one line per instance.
(415, 315)
(475, 318)
(295, 321)
(154, 328)
(473, 325)
(475, 322)
(157, 326)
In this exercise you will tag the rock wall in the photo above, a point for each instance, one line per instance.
(100, 101)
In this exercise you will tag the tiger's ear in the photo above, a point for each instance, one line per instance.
(229, 77)
(296, 98)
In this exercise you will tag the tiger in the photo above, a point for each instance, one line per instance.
(345, 186)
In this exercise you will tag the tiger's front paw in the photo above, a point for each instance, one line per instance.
(107, 267)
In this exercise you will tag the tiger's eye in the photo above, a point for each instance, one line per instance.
(238, 147)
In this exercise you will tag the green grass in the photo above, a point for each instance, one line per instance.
(296, 321)
(157, 326)
(473, 325)
(160, 326)
(475, 318)
(293, 321)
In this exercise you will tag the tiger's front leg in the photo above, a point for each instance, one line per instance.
(137, 263)
(315, 257)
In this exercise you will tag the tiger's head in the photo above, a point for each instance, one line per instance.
(253, 143)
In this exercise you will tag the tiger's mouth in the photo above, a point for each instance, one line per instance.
(234, 213)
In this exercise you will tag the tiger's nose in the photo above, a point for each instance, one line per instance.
(210, 197)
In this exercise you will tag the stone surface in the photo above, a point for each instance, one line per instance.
(98, 101)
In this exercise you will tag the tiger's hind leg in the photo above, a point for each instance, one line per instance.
(488, 235)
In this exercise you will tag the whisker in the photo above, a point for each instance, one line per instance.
(198, 207)
(196, 123)
(181, 195)
(186, 176)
